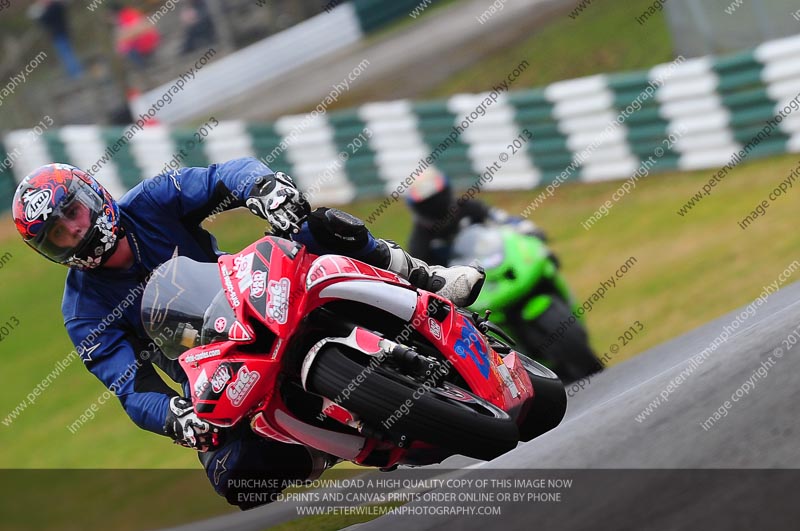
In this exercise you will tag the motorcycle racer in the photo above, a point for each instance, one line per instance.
(111, 247)
(438, 217)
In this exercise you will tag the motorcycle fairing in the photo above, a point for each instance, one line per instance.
(329, 267)
(264, 282)
(267, 282)
(225, 386)
(465, 348)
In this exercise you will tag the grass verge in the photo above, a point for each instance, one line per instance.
(604, 38)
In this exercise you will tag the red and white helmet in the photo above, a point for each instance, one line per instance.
(430, 195)
(54, 192)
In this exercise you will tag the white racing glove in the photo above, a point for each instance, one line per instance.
(187, 429)
(275, 198)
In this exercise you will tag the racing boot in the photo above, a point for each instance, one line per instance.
(460, 284)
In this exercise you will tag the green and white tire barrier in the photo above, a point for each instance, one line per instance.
(589, 129)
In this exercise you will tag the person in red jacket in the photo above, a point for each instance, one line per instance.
(136, 39)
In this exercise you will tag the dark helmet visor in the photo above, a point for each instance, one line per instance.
(79, 197)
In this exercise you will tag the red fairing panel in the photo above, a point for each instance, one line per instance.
(266, 281)
(334, 266)
(467, 351)
(226, 385)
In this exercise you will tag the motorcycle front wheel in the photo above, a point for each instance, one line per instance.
(549, 400)
(564, 347)
(441, 414)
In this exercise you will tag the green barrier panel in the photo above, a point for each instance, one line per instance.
(188, 149)
(424, 109)
(351, 137)
(739, 61)
(529, 98)
(668, 162)
(435, 123)
(549, 176)
(8, 184)
(622, 100)
(375, 14)
(526, 116)
(343, 118)
(56, 147)
(544, 130)
(628, 81)
(645, 150)
(644, 126)
(266, 141)
(746, 98)
(739, 80)
(439, 127)
(768, 148)
(553, 161)
(127, 168)
(753, 115)
(746, 135)
(646, 116)
(644, 133)
(548, 146)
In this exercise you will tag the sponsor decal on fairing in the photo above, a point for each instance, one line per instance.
(239, 389)
(276, 349)
(226, 277)
(278, 304)
(238, 332)
(259, 285)
(435, 328)
(202, 355)
(220, 377)
(242, 265)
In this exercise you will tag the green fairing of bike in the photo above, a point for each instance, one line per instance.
(525, 262)
(529, 297)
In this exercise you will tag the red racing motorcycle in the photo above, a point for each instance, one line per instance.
(332, 353)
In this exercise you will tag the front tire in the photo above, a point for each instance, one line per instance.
(568, 353)
(445, 415)
(549, 401)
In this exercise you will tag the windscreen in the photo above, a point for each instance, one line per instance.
(181, 296)
(478, 242)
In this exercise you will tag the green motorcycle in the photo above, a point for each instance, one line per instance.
(528, 297)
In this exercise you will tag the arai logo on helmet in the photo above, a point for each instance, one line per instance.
(37, 203)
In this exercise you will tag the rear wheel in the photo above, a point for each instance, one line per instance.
(568, 351)
(443, 415)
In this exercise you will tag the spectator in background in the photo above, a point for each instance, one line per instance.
(197, 25)
(136, 39)
(52, 15)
